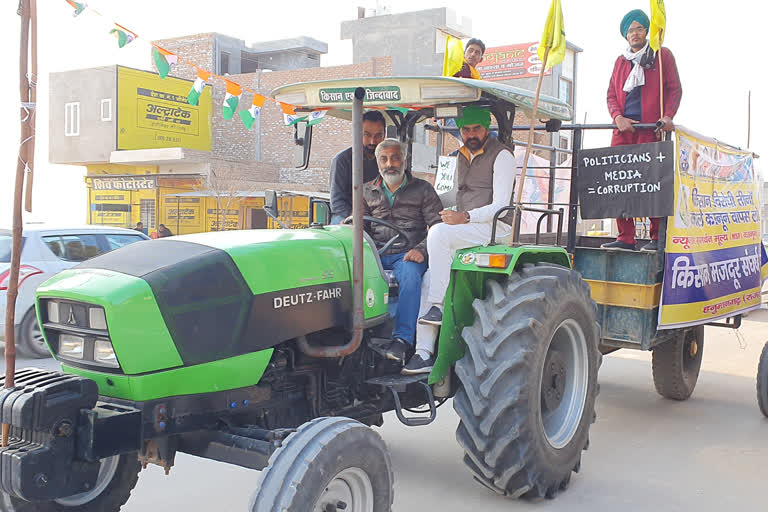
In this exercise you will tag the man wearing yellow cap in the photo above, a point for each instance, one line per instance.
(483, 184)
(633, 97)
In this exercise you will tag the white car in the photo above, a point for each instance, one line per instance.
(46, 251)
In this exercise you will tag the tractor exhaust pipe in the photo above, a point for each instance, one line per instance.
(357, 242)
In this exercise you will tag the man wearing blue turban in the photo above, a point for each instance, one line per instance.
(633, 97)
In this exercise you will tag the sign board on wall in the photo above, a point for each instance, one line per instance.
(154, 112)
(511, 61)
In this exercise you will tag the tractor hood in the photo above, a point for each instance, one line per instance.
(213, 296)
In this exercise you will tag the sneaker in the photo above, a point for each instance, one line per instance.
(653, 245)
(398, 350)
(619, 245)
(418, 365)
(434, 316)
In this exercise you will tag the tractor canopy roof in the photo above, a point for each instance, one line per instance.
(408, 94)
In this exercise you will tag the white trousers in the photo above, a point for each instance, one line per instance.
(443, 241)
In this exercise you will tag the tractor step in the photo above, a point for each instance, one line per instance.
(397, 384)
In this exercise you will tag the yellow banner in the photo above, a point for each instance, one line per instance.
(154, 113)
(715, 262)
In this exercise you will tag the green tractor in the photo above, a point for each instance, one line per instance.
(258, 348)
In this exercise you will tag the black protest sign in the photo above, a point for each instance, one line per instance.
(627, 181)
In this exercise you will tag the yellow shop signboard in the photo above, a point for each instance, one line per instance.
(154, 112)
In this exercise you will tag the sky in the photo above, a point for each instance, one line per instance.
(720, 56)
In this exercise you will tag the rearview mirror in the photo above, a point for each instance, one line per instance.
(271, 208)
(302, 137)
(319, 212)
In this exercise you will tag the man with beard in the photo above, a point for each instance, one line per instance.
(633, 97)
(473, 55)
(374, 128)
(484, 183)
(413, 206)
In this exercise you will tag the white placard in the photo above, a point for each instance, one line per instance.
(446, 170)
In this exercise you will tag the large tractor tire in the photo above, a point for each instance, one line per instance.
(328, 464)
(528, 381)
(762, 381)
(676, 364)
(117, 478)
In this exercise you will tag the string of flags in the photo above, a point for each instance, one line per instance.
(165, 61)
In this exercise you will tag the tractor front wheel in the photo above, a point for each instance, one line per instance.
(117, 478)
(328, 464)
(528, 381)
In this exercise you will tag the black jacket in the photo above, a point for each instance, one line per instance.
(416, 207)
(341, 181)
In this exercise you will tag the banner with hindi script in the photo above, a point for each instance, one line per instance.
(715, 261)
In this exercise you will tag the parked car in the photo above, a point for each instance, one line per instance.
(46, 251)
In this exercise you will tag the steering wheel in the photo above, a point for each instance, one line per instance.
(382, 248)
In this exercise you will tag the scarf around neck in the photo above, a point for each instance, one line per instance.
(636, 77)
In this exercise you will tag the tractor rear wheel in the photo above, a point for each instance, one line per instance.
(676, 364)
(117, 478)
(528, 381)
(328, 464)
(762, 381)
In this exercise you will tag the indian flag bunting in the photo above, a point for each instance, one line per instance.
(402, 110)
(164, 60)
(77, 6)
(289, 114)
(123, 35)
(197, 88)
(249, 116)
(553, 36)
(231, 99)
(658, 24)
(315, 117)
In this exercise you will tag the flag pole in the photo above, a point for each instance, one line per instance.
(26, 149)
(661, 83)
(519, 193)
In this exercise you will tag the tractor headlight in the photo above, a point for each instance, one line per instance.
(71, 347)
(53, 311)
(104, 354)
(492, 260)
(97, 319)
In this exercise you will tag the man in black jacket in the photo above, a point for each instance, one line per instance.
(374, 127)
(412, 205)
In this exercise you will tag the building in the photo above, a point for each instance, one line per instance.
(203, 172)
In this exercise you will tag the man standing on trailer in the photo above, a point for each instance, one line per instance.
(634, 97)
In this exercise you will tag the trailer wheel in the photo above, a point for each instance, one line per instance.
(528, 381)
(117, 478)
(676, 364)
(327, 464)
(762, 381)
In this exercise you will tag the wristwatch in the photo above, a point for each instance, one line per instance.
(466, 216)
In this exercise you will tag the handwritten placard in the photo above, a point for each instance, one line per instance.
(627, 181)
(446, 171)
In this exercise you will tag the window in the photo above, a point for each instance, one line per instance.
(566, 91)
(117, 241)
(106, 109)
(224, 64)
(72, 119)
(5, 248)
(147, 213)
(73, 247)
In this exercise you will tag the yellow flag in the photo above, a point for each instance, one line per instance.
(454, 56)
(658, 24)
(553, 36)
